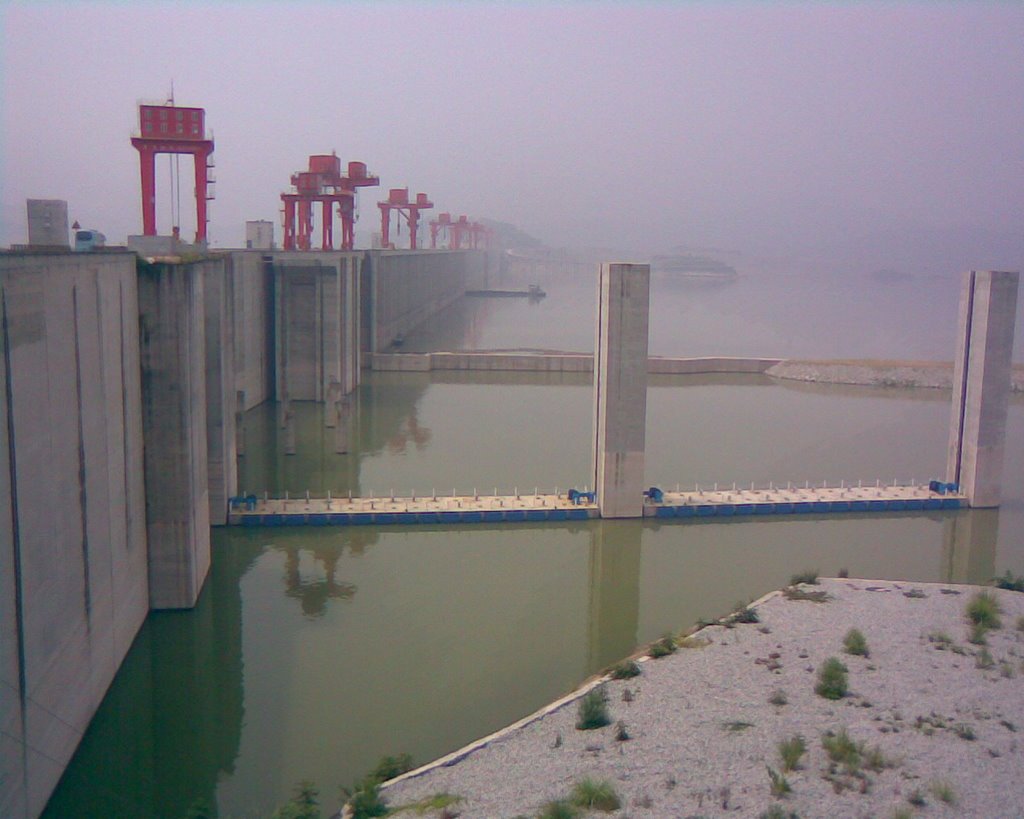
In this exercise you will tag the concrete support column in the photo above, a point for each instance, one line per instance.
(620, 388)
(981, 384)
(173, 353)
(221, 396)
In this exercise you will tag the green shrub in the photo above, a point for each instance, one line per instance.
(978, 635)
(984, 610)
(779, 784)
(841, 749)
(302, 805)
(388, 767)
(591, 794)
(625, 670)
(744, 614)
(778, 697)
(621, 734)
(983, 659)
(790, 751)
(663, 647)
(593, 710)
(832, 680)
(365, 800)
(855, 643)
(559, 809)
(808, 576)
(1009, 582)
(943, 791)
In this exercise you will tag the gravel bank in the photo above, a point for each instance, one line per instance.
(703, 730)
(936, 375)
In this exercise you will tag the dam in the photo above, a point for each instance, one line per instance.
(256, 369)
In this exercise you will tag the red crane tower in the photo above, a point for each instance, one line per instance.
(443, 222)
(172, 129)
(323, 183)
(398, 200)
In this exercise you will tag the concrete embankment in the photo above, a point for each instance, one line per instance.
(863, 372)
(932, 719)
(552, 361)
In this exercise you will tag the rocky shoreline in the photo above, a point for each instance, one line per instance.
(934, 721)
(877, 373)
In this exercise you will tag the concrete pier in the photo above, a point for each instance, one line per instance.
(981, 384)
(173, 356)
(316, 324)
(620, 388)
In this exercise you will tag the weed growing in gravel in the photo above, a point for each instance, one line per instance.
(365, 800)
(978, 635)
(591, 794)
(559, 809)
(790, 751)
(832, 680)
(794, 593)
(593, 710)
(1009, 582)
(779, 784)
(1006, 670)
(965, 731)
(778, 697)
(940, 639)
(943, 791)
(743, 614)
(902, 813)
(737, 725)
(983, 659)
(807, 576)
(621, 734)
(841, 749)
(855, 643)
(915, 594)
(625, 670)
(663, 647)
(428, 804)
(692, 642)
(984, 610)
(916, 798)
(776, 812)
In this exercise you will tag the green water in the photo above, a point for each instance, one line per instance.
(313, 652)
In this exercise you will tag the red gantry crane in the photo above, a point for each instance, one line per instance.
(323, 183)
(459, 232)
(172, 129)
(398, 201)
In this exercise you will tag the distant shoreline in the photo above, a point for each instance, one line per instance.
(878, 373)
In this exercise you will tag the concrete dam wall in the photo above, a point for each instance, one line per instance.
(74, 585)
(121, 384)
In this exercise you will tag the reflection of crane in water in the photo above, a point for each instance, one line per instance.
(314, 592)
(410, 430)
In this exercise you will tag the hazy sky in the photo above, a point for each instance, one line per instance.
(634, 125)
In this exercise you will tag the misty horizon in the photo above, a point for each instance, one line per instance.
(875, 134)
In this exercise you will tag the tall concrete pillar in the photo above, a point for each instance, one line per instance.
(620, 388)
(981, 384)
(173, 358)
(221, 395)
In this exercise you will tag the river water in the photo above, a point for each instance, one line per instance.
(313, 652)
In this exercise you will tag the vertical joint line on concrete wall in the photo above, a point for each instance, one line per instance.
(19, 592)
(964, 374)
(82, 494)
(124, 423)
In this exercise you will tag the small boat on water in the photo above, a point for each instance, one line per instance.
(533, 292)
